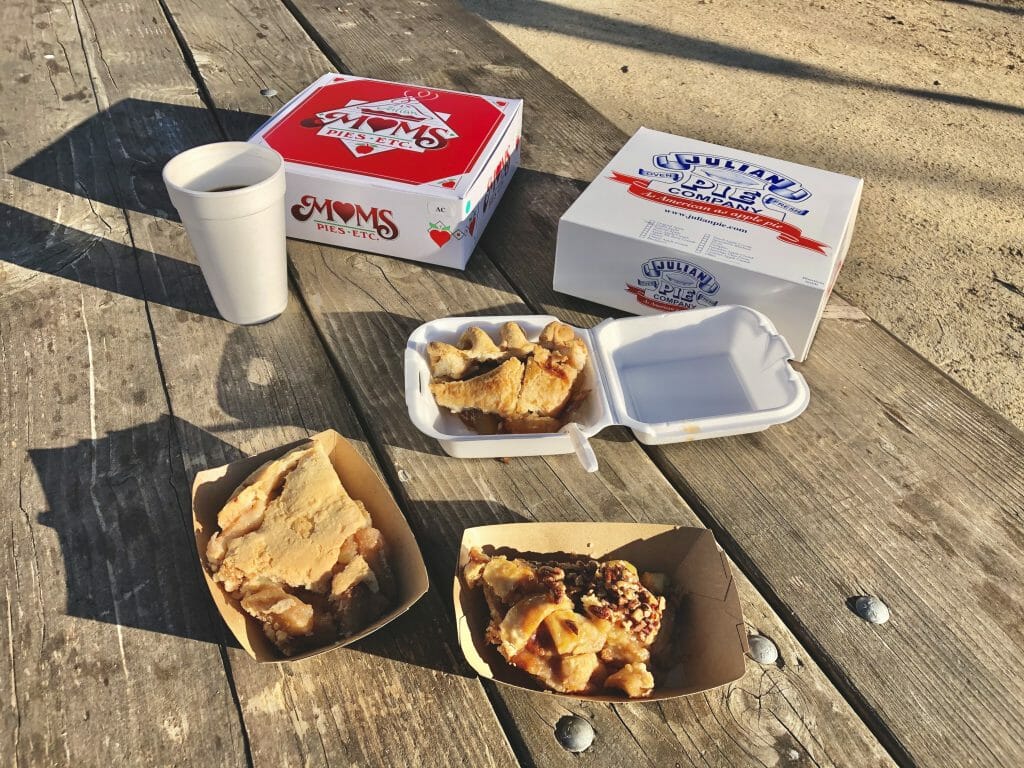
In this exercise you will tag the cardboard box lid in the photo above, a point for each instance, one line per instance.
(213, 487)
(390, 134)
(712, 642)
(793, 218)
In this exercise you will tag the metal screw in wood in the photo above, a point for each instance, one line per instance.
(574, 733)
(870, 608)
(762, 649)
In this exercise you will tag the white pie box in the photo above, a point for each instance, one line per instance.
(669, 378)
(673, 224)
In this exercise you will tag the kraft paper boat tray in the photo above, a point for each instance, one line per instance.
(213, 487)
(711, 641)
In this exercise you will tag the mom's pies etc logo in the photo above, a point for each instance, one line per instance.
(370, 128)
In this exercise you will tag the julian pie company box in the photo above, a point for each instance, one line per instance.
(709, 639)
(401, 170)
(674, 223)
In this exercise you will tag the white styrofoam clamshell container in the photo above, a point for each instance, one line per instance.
(669, 378)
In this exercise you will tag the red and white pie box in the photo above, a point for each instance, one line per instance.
(673, 223)
(401, 170)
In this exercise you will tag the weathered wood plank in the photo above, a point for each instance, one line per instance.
(253, 388)
(366, 306)
(110, 656)
(895, 481)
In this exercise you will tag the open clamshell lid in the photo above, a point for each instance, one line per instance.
(697, 374)
(669, 378)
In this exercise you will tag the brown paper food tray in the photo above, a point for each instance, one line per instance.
(213, 487)
(711, 645)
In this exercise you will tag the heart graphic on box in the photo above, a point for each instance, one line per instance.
(345, 210)
(440, 236)
(363, 149)
(381, 123)
(472, 225)
(450, 184)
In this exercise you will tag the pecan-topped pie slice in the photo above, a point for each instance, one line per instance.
(578, 627)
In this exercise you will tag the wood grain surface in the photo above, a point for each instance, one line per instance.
(119, 382)
(110, 654)
(274, 382)
(365, 307)
(895, 482)
(230, 390)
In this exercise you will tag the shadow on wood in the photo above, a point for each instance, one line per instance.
(47, 247)
(120, 507)
(140, 136)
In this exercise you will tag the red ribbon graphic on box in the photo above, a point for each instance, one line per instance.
(647, 301)
(787, 233)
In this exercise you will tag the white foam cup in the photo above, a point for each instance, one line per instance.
(238, 235)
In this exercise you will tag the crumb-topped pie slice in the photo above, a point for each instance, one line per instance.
(300, 554)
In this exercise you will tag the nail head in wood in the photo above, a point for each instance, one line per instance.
(762, 649)
(574, 733)
(870, 608)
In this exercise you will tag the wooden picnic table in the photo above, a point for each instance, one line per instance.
(118, 382)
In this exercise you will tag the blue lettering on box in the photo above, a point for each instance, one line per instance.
(673, 284)
(724, 181)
